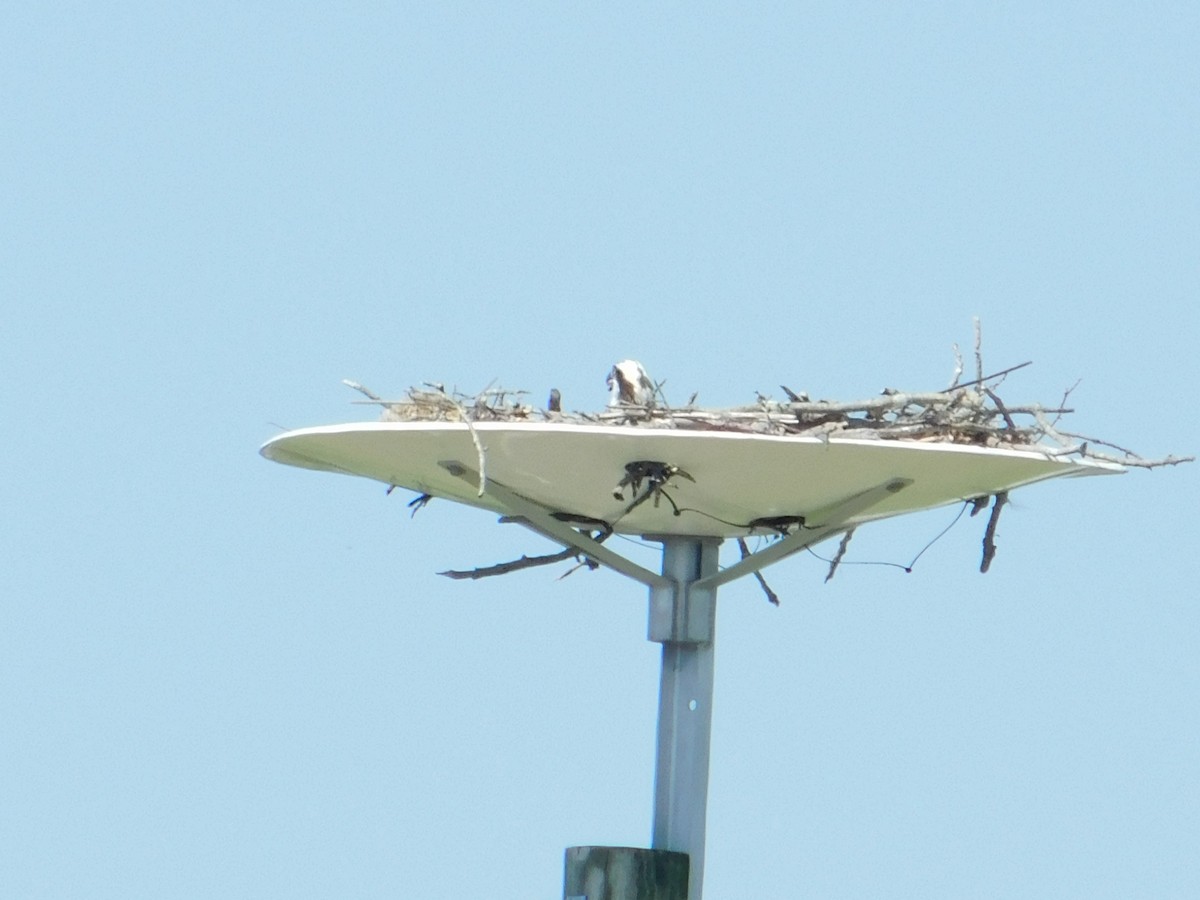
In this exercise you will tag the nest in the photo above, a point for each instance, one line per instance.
(964, 413)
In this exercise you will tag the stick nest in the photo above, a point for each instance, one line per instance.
(963, 413)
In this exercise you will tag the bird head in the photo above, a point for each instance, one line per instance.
(629, 384)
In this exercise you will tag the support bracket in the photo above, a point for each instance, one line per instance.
(542, 520)
(835, 519)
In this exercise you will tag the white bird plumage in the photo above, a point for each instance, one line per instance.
(630, 385)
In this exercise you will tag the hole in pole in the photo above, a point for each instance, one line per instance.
(692, 705)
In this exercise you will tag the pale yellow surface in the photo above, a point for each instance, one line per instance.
(738, 477)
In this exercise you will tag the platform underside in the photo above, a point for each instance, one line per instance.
(735, 478)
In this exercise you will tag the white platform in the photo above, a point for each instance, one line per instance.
(738, 477)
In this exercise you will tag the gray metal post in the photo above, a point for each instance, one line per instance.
(624, 873)
(683, 619)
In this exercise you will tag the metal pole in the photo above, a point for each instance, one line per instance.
(682, 618)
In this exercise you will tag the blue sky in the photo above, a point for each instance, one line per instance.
(223, 677)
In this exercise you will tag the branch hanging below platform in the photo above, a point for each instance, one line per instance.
(989, 536)
(762, 582)
(529, 562)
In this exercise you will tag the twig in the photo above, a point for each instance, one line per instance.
(417, 503)
(1066, 394)
(958, 368)
(772, 597)
(841, 551)
(1002, 372)
(1071, 450)
(1070, 439)
(525, 562)
(888, 401)
(1090, 440)
(480, 450)
(1136, 462)
(529, 562)
(978, 349)
(989, 536)
(374, 398)
(1008, 419)
(586, 563)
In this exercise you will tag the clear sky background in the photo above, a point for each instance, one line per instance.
(221, 677)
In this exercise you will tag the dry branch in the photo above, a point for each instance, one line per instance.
(529, 562)
(772, 597)
(958, 368)
(978, 348)
(989, 536)
(525, 562)
(841, 552)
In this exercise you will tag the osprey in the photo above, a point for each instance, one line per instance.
(629, 385)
